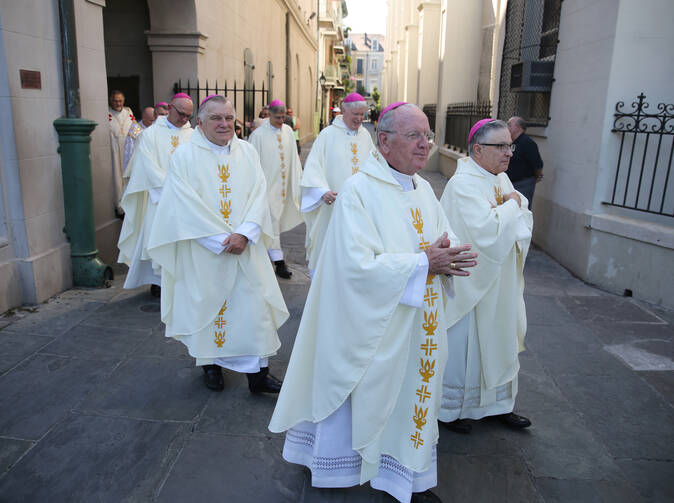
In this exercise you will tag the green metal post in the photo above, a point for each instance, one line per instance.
(74, 139)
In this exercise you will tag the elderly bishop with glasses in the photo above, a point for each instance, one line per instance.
(488, 332)
(362, 392)
(148, 167)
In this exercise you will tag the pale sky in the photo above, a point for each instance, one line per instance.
(366, 16)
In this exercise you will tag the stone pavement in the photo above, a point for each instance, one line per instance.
(97, 405)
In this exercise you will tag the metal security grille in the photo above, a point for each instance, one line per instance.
(531, 38)
(252, 99)
(460, 118)
(642, 179)
(429, 110)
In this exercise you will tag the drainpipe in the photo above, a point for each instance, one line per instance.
(75, 150)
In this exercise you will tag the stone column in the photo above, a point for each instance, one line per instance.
(429, 43)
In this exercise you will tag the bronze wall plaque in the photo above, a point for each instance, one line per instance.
(30, 79)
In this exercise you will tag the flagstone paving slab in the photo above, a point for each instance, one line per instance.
(151, 388)
(239, 469)
(92, 458)
(11, 451)
(16, 346)
(42, 391)
(97, 343)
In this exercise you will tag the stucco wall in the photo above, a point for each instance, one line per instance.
(609, 51)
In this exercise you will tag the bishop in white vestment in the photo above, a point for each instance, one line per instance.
(336, 154)
(148, 168)
(219, 294)
(275, 142)
(488, 333)
(147, 119)
(363, 387)
(120, 119)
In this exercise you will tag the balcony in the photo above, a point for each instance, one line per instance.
(332, 75)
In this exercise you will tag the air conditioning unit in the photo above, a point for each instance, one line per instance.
(531, 76)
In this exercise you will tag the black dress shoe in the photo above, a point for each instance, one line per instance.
(263, 382)
(213, 377)
(459, 426)
(514, 421)
(155, 290)
(282, 270)
(425, 497)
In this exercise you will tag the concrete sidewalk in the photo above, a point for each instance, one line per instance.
(97, 405)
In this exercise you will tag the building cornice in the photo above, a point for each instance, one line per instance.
(194, 42)
(292, 9)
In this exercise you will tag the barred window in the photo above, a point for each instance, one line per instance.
(532, 28)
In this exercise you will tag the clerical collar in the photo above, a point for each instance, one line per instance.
(218, 149)
(351, 132)
(405, 181)
(277, 129)
(171, 126)
(482, 170)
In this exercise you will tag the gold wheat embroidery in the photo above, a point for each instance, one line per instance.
(427, 369)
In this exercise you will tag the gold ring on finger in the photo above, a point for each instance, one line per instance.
(452, 265)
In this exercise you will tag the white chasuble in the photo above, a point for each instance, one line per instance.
(148, 167)
(218, 304)
(356, 341)
(120, 123)
(282, 170)
(493, 293)
(335, 156)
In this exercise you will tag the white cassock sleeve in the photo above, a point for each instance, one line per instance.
(213, 244)
(312, 198)
(414, 290)
(155, 194)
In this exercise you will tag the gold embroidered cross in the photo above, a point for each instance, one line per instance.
(354, 159)
(417, 221)
(419, 416)
(174, 142)
(354, 148)
(220, 323)
(430, 297)
(417, 440)
(427, 369)
(278, 137)
(219, 338)
(428, 347)
(225, 191)
(423, 393)
(223, 172)
(430, 322)
(225, 209)
(423, 244)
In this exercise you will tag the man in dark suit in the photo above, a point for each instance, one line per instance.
(526, 166)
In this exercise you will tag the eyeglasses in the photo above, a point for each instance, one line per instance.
(415, 136)
(503, 147)
(182, 115)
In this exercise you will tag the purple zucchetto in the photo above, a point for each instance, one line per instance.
(208, 98)
(277, 103)
(392, 106)
(353, 97)
(181, 95)
(476, 127)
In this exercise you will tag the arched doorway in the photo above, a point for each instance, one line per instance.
(128, 60)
